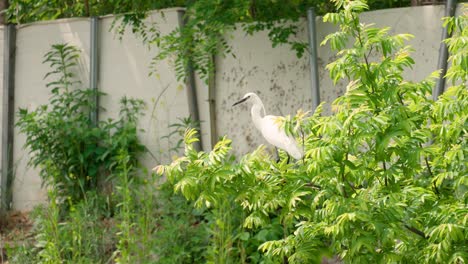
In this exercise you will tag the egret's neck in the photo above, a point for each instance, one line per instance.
(257, 111)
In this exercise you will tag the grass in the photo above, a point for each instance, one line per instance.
(147, 224)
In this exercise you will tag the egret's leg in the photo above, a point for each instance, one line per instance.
(303, 146)
(289, 158)
(277, 155)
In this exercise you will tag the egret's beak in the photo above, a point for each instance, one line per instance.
(241, 101)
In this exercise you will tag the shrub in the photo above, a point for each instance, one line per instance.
(72, 152)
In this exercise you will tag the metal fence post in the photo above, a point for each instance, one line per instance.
(314, 78)
(6, 183)
(450, 7)
(191, 90)
(94, 67)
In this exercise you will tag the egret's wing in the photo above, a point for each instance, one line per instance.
(278, 138)
(273, 133)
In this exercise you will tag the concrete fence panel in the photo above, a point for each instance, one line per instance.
(33, 41)
(280, 78)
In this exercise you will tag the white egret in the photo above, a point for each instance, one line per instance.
(270, 128)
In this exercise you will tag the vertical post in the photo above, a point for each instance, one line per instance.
(6, 183)
(443, 52)
(191, 90)
(212, 102)
(313, 59)
(94, 67)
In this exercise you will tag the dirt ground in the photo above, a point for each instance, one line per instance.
(14, 228)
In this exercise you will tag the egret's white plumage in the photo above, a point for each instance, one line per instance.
(270, 128)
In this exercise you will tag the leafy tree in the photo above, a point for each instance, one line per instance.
(384, 179)
(27, 11)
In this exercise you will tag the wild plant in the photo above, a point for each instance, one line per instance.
(72, 152)
(176, 133)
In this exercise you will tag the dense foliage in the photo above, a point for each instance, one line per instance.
(384, 179)
(26, 11)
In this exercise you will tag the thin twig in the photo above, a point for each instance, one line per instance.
(344, 165)
(370, 51)
(313, 186)
(359, 38)
(385, 172)
(428, 166)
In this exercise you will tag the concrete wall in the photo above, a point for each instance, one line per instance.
(124, 71)
(280, 79)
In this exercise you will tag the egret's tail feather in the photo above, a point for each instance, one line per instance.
(295, 151)
(296, 154)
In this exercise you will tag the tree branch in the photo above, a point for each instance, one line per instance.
(86, 5)
(416, 231)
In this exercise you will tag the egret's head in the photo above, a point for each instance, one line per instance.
(247, 97)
